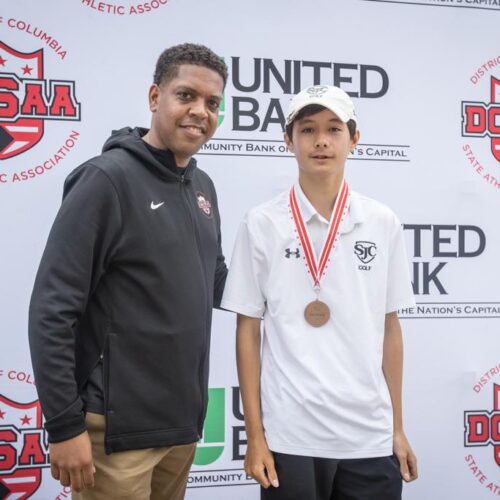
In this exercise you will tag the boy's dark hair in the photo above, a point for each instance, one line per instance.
(312, 109)
(168, 63)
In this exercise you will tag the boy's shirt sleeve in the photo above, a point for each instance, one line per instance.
(399, 288)
(243, 293)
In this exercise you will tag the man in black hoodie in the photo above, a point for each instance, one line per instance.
(121, 309)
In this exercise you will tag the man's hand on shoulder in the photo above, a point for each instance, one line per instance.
(71, 462)
(406, 457)
(259, 463)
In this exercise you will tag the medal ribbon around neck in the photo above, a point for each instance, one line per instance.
(317, 270)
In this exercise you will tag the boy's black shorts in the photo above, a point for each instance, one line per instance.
(309, 478)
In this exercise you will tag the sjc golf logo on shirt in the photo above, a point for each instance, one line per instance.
(365, 251)
(23, 448)
(217, 462)
(482, 432)
(481, 123)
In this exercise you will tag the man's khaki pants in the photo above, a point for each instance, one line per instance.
(153, 473)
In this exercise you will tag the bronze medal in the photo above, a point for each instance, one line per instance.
(317, 313)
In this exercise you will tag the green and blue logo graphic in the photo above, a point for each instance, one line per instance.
(222, 110)
(210, 448)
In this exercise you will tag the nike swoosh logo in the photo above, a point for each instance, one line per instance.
(154, 205)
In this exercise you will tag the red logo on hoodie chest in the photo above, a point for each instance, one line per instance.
(204, 205)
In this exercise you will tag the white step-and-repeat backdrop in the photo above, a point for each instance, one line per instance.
(425, 77)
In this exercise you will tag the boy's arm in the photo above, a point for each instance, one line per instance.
(392, 366)
(259, 462)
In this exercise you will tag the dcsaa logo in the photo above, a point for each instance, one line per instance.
(27, 100)
(482, 427)
(23, 448)
(480, 119)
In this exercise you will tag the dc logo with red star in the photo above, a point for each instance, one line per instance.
(480, 119)
(480, 129)
(23, 448)
(482, 432)
(482, 427)
(28, 100)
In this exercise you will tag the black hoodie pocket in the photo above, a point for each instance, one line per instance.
(151, 384)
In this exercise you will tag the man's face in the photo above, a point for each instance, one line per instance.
(321, 143)
(185, 111)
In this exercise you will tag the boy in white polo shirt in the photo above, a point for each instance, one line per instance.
(326, 269)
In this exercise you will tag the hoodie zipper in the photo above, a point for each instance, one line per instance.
(198, 246)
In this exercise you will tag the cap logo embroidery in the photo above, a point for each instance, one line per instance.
(317, 91)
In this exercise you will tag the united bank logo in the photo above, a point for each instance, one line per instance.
(252, 116)
(437, 252)
(28, 100)
(219, 455)
(23, 448)
(222, 110)
(212, 445)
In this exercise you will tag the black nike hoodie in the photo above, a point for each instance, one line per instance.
(132, 268)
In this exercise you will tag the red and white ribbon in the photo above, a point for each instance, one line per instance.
(318, 270)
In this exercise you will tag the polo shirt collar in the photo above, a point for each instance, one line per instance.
(355, 213)
(308, 211)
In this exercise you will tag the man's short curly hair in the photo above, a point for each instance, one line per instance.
(168, 63)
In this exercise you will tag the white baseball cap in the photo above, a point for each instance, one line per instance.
(332, 98)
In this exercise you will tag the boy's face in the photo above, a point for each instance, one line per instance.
(321, 143)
